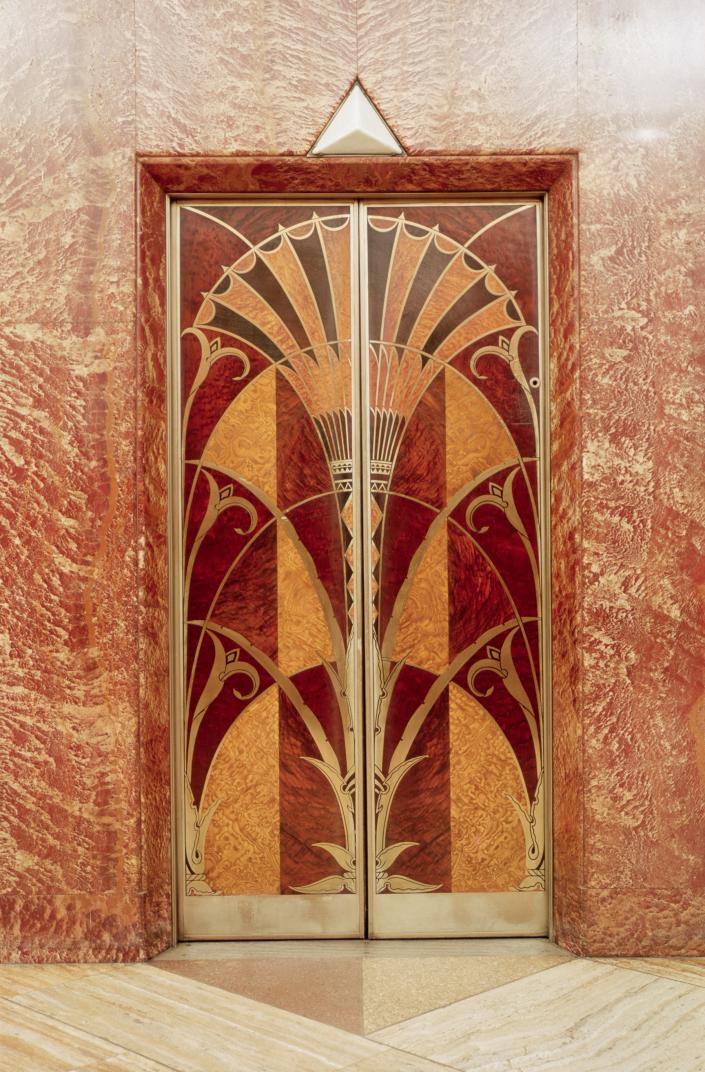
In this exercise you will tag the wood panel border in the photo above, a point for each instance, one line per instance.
(159, 178)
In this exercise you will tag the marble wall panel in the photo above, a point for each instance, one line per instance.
(566, 747)
(68, 729)
(621, 83)
(467, 77)
(152, 583)
(642, 139)
(83, 720)
(222, 77)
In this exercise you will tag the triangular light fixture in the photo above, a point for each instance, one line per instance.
(357, 129)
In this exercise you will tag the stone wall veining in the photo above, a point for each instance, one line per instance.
(84, 86)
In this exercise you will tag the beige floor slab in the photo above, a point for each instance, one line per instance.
(191, 1027)
(626, 1015)
(126, 1062)
(15, 978)
(438, 947)
(326, 989)
(395, 990)
(30, 1042)
(686, 970)
(396, 1061)
(360, 994)
(577, 1017)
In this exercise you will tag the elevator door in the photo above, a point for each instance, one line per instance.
(358, 632)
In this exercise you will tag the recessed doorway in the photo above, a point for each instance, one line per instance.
(359, 566)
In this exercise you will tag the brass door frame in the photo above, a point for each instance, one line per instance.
(218, 917)
(443, 915)
(324, 922)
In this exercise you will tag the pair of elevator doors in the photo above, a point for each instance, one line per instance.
(359, 634)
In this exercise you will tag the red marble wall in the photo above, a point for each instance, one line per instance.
(85, 86)
(69, 796)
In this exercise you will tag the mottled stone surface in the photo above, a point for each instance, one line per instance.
(69, 714)
(555, 174)
(367, 175)
(83, 725)
(153, 566)
(642, 138)
(623, 84)
(223, 77)
(472, 77)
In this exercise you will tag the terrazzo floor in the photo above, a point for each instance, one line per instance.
(496, 1005)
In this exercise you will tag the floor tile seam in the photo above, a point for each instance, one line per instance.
(127, 1052)
(442, 1066)
(237, 962)
(404, 1051)
(469, 997)
(79, 1030)
(636, 963)
(363, 1033)
(369, 950)
(280, 1010)
(560, 954)
(403, 1047)
(652, 972)
(121, 1049)
(277, 1010)
(247, 958)
(15, 1005)
(646, 1047)
(257, 1032)
(446, 954)
(52, 986)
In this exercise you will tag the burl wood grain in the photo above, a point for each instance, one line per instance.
(620, 84)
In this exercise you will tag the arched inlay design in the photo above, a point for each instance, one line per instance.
(454, 417)
(314, 449)
(268, 549)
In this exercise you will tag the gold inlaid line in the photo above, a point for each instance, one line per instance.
(361, 673)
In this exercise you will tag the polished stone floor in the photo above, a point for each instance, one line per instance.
(495, 1005)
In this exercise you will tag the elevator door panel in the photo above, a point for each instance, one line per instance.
(269, 735)
(358, 642)
(454, 652)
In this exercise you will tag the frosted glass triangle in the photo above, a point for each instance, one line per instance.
(357, 129)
